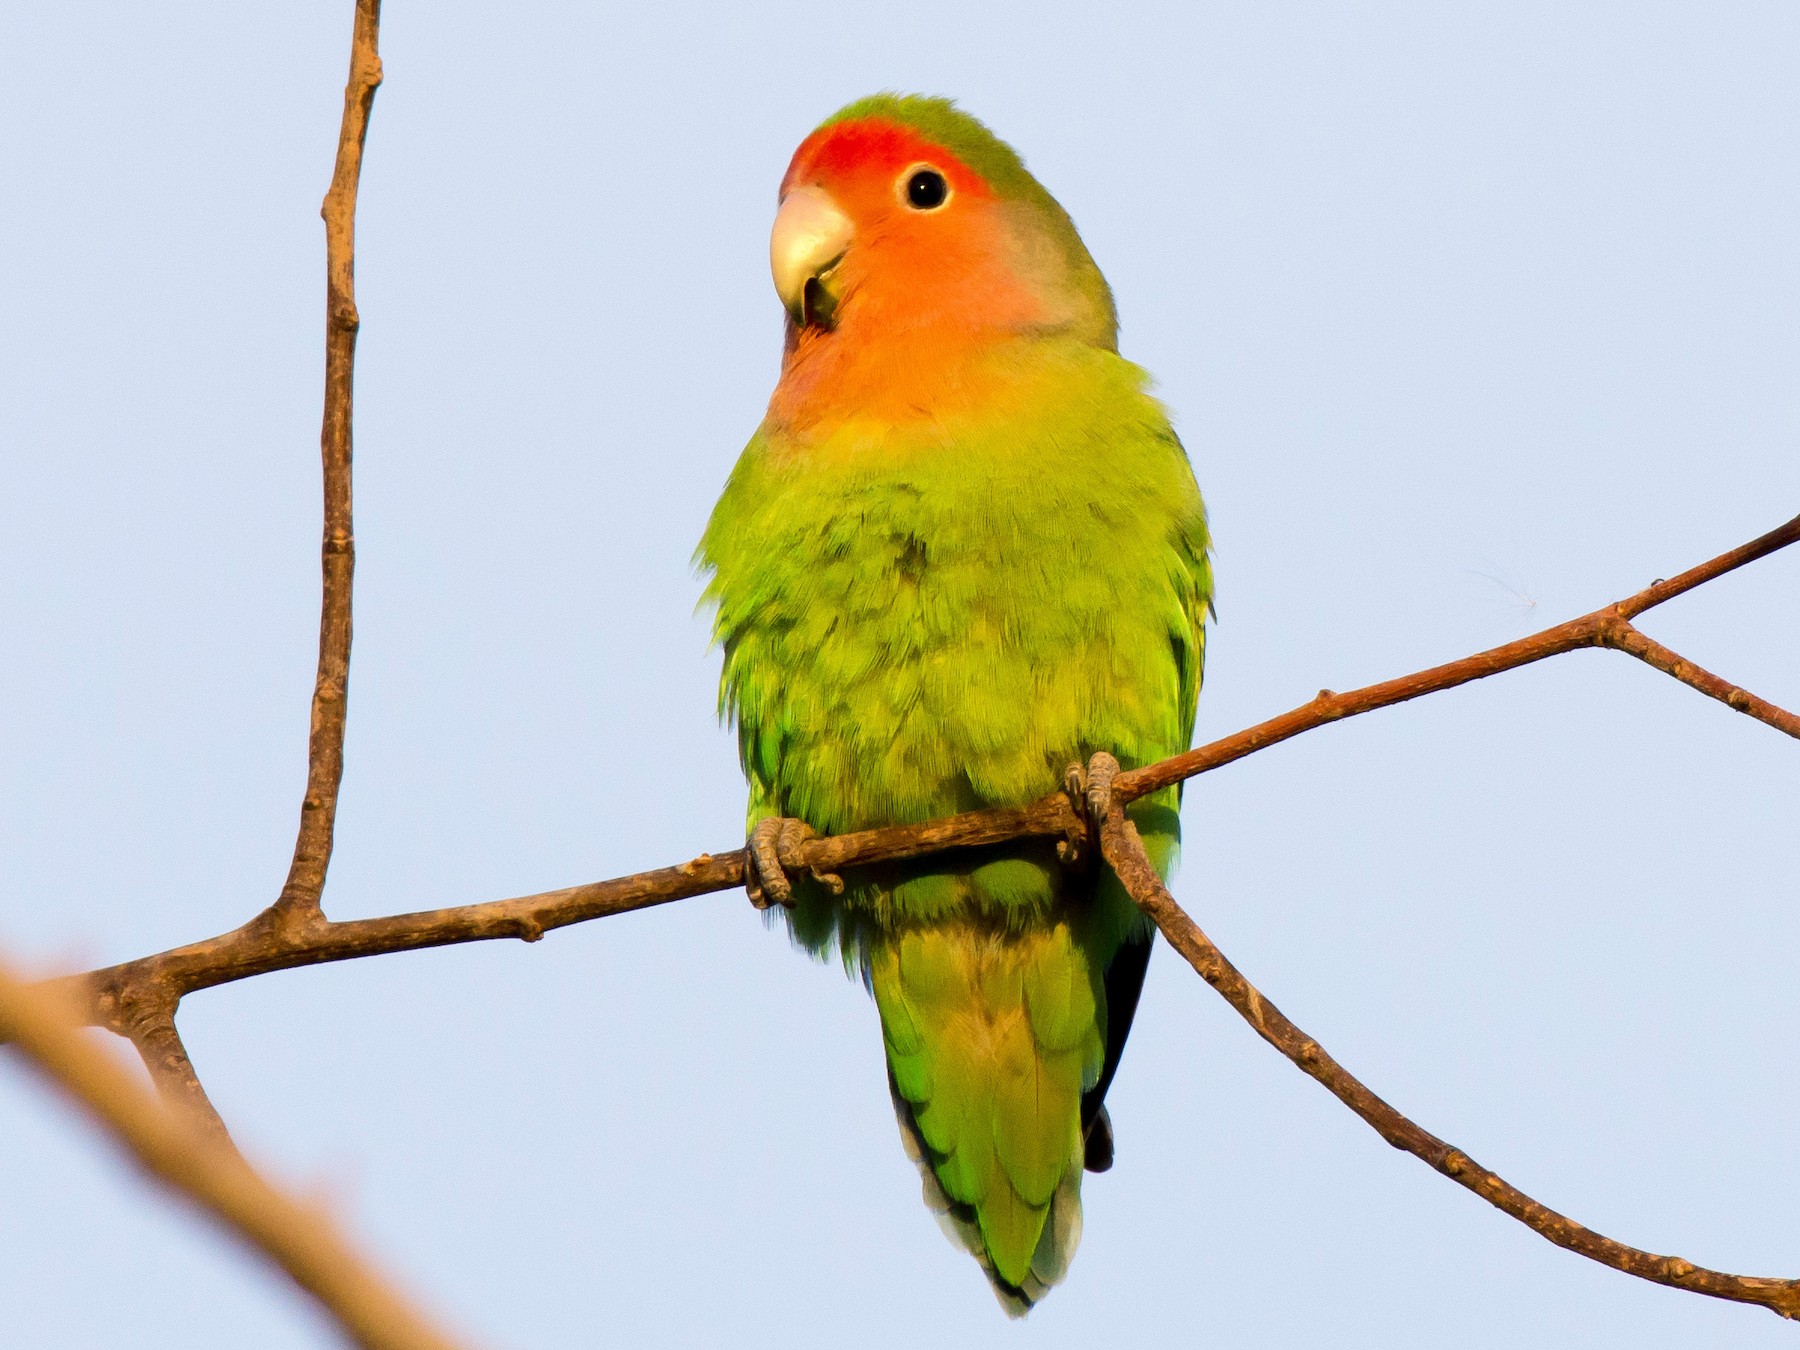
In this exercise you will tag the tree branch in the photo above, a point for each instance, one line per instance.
(1625, 638)
(149, 1024)
(1608, 627)
(136, 993)
(259, 948)
(144, 1009)
(1124, 852)
(200, 1167)
(183, 1143)
(299, 901)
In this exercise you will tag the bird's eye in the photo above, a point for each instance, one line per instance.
(926, 190)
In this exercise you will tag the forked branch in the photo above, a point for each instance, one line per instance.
(188, 1149)
(111, 997)
(258, 948)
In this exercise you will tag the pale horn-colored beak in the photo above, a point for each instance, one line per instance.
(809, 239)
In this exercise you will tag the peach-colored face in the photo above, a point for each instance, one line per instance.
(907, 237)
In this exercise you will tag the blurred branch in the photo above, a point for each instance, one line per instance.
(139, 998)
(259, 947)
(183, 1143)
(1124, 852)
(200, 1167)
(298, 904)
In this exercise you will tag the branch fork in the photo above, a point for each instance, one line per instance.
(139, 999)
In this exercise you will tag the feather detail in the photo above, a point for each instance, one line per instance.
(990, 1110)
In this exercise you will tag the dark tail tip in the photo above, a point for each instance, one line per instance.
(1099, 1153)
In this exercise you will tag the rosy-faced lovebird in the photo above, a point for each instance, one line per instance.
(963, 552)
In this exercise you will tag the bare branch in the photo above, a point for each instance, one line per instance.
(299, 901)
(1608, 627)
(1628, 639)
(1124, 851)
(118, 995)
(1659, 591)
(258, 947)
(144, 1009)
(208, 1173)
(150, 1026)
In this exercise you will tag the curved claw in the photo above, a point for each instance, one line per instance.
(765, 876)
(764, 879)
(1101, 770)
(1071, 849)
(1090, 792)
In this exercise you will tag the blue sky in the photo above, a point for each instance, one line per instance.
(1474, 317)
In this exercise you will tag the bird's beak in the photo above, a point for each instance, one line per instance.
(810, 237)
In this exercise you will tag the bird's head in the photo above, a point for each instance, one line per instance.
(903, 214)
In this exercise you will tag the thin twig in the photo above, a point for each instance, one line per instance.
(299, 900)
(211, 1175)
(1629, 639)
(258, 948)
(1124, 852)
(1607, 627)
(1660, 591)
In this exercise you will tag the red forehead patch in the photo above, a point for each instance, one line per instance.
(873, 147)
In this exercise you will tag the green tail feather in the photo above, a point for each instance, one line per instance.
(992, 1038)
(1056, 1243)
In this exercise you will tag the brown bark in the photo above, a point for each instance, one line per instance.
(299, 900)
(1124, 852)
(258, 948)
(1607, 627)
(149, 1024)
(139, 997)
(189, 1149)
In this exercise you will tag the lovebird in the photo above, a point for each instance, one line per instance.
(963, 552)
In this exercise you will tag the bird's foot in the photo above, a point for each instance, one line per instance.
(1090, 792)
(765, 872)
(765, 879)
(1101, 770)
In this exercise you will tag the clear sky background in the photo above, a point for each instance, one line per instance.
(1474, 316)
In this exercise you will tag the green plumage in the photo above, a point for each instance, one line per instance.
(942, 615)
